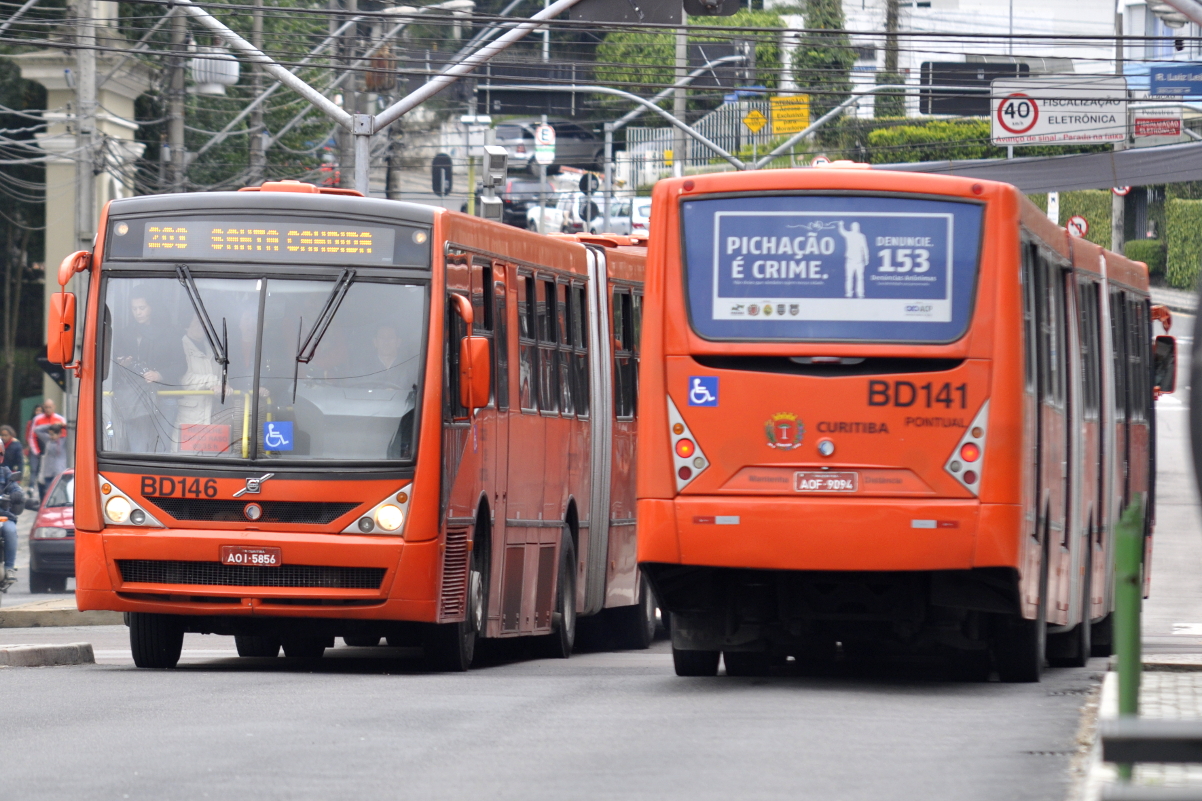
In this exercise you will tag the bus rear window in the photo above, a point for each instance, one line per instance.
(814, 267)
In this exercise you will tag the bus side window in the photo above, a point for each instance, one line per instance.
(456, 330)
(1087, 294)
(1139, 383)
(1118, 342)
(548, 388)
(580, 382)
(563, 359)
(636, 337)
(623, 356)
(500, 343)
(1046, 315)
(527, 349)
(1028, 287)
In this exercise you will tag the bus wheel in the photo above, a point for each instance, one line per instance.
(563, 634)
(257, 645)
(156, 640)
(362, 641)
(305, 647)
(451, 647)
(695, 663)
(634, 626)
(1101, 636)
(1073, 648)
(746, 663)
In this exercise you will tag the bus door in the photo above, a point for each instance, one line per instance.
(461, 462)
(1053, 437)
(1092, 456)
(622, 581)
(1032, 408)
(598, 328)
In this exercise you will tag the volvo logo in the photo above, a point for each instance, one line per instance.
(253, 485)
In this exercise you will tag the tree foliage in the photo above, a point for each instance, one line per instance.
(823, 61)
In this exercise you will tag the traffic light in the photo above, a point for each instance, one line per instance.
(440, 170)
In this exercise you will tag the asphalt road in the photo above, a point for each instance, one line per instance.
(371, 723)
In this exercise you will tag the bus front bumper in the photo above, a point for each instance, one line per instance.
(322, 575)
(829, 533)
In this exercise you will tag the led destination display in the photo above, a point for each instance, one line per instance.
(241, 239)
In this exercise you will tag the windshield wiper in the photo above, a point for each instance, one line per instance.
(306, 349)
(220, 349)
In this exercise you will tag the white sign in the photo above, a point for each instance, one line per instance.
(544, 144)
(1061, 110)
(1121, 191)
(1078, 226)
(819, 160)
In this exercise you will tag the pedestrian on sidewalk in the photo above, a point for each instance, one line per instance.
(13, 452)
(31, 447)
(43, 415)
(52, 439)
(12, 503)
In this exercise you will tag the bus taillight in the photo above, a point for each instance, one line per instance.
(964, 463)
(687, 459)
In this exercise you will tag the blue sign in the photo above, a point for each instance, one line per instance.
(277, 435)
(703, 390)
(831, 267)
(1176, 80)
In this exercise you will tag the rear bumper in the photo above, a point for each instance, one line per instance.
(406, 591)
(829, 534)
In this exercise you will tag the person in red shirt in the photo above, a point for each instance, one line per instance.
(46, 417)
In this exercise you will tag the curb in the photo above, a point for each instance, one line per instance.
(54, 613)
(78, 653)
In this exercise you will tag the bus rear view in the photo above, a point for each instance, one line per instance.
(833, 466)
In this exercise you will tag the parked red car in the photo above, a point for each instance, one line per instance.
(52, 538)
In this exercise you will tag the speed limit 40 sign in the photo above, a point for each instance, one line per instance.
(1059, 110)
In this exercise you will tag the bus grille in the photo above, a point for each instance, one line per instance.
(304, 512)
(454, 575)
(149, 571)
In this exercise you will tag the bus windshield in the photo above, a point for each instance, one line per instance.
(831, 267)
(354, 399)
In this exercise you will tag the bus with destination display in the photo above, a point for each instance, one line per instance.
(888, 415)
(305, 414)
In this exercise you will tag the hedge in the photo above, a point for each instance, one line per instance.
(1183, 230)
(1149, 251)
(1092, 204)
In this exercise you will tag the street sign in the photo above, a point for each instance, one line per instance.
(1121, 191)
(1157, 126)
(440, 170)
(819, 160)
(1175, 81)
(755, 120)
(544, 144)
(790, 114)
(1078, 226)
(1061, 110)
(589, 184)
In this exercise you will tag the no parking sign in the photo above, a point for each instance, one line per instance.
(1078, 226)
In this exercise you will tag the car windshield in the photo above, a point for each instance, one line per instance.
(353, 399)
(509, 132)
(63, 493)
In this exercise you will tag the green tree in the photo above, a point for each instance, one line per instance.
(823, 61)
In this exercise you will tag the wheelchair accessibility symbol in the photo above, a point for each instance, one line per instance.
(277, 436)
(703, 390)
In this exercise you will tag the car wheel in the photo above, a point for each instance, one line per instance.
(39, 582)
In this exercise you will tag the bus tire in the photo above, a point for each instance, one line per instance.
(155, 640)
(257, 645)
(1101, 636)
(634, 626)
(562, 638)
(1073, 648)
(746, 663)
(695, 663)
(305, 647)
(451, 647)
(362, 640)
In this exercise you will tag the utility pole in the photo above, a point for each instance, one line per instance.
(1118, 204)
(258, 155)
(350, 101)
(680, 100)
(85, 129)
(175, 103)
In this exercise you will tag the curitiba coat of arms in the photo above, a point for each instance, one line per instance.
(784, 431)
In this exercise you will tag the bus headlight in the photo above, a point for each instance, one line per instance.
(117, 509)
(389, 517)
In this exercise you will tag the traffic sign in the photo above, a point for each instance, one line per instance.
(1121, 191)
(1078, 226)
(818, 161)
(1060, 110)
(1176, 81)
(790, 114)
(755, 120)
(544, 144)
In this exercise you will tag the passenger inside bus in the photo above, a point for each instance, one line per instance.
(148, 361)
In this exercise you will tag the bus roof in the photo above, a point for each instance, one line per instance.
(276, 201)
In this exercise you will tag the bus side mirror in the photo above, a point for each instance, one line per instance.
(1164, 360)
(60, 329)
(474, 372)
(77, 262)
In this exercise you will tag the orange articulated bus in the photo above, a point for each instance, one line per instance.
(887, 413)
(306, 414)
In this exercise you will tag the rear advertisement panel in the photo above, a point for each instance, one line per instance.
(827, 267)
